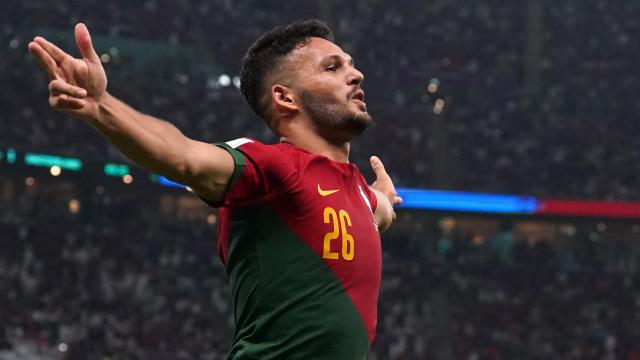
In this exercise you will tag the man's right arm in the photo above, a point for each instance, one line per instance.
(160, 147)
(78, 88)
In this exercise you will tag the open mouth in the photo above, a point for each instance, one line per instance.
(358, 97)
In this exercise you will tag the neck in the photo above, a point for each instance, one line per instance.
(309, 140)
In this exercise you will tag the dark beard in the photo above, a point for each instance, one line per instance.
(327, 114)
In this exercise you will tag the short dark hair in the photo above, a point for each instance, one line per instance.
(265, 54)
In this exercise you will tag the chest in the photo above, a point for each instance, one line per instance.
(332, 211)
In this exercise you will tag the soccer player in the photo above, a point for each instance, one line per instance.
(299, 226)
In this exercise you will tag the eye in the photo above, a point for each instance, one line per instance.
(331, 68)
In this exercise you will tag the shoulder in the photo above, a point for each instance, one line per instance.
(257, 150)
(262, 171)
(269, 161)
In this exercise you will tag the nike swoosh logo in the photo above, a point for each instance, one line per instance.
(326, 192)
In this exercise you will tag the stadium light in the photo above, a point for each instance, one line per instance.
(434, 83)
(55, 170)
(11, 156)
(224, 80)
(74, 206)
(465, 201)
(438, 107)
(46, 160)
(212, 219)
(166, 182)
(117, 170)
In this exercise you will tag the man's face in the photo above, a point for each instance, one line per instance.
(329, 89)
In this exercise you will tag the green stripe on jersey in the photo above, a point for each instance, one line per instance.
(287, 303)
(239, 160)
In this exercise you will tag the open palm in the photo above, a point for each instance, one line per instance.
(76, 84)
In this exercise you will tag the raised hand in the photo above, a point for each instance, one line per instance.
(77, 85)
(383, 183)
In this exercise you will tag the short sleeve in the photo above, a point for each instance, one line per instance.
(261, 172)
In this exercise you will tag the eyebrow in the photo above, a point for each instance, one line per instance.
(340, 58)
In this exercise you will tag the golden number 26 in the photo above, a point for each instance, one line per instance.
(340, 221)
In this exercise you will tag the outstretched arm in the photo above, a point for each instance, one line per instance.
(78, 88)
(385, 194)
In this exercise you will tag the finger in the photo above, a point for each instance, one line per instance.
(377, 166)
(55, 52)
(397, 200)
(59, 87)
(83, 40)
(64, 102)
(45, 60)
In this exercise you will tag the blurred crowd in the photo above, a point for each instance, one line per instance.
(101, 294)
(121, 278)
(532, 102)
(544, 313)
(124, 283)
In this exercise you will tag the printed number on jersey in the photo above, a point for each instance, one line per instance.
(340, 222)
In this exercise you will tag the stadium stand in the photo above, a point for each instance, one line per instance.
(535, 102)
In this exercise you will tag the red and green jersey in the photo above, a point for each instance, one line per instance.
(302, 251)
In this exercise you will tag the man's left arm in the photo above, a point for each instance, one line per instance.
(385, 194)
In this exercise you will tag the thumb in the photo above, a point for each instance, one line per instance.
(83, 40)
(377, 166)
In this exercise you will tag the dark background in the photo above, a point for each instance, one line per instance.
(526, 97)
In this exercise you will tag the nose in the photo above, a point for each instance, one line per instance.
(355, 77)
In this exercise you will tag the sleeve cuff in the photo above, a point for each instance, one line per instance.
(240, 161)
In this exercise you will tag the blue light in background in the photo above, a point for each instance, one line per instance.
(166, 182)
(467, 202)
(445, 200)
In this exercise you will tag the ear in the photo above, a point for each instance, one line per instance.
(283, 98)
